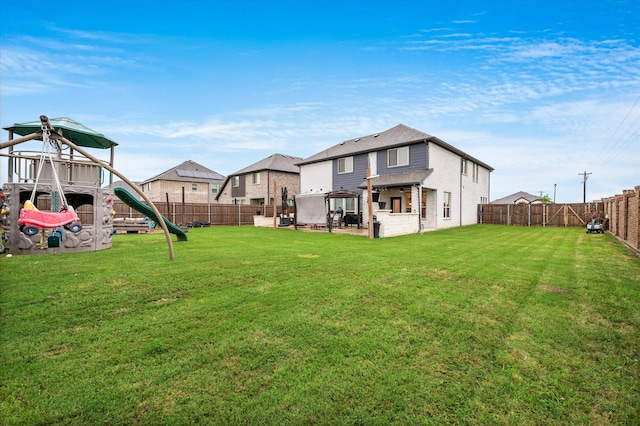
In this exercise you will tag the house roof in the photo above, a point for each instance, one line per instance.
(276, 162)
(189, 171)
(511, 199)
(395, 136)
(398, 179)
(123, 184)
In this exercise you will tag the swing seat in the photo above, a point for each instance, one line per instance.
(47, 220)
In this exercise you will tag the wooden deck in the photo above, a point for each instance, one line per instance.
(131, 226)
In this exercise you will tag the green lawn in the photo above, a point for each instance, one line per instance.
(473, 325)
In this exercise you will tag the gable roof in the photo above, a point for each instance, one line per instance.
(123, 184)
(189, 171)
(511, 199)
(395, 136)
(276, 162)
(398, 179)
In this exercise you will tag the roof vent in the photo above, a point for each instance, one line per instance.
(356, 140)
(376, 135)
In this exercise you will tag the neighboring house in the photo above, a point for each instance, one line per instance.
(519, 198)
(126, 186)
(189, 182)
(417, 179)
(254, 184)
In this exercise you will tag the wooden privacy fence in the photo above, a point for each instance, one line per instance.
(565, 215)
(195, 214)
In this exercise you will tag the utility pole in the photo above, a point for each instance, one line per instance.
(585, 176)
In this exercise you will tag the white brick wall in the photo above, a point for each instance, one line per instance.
(394, 224)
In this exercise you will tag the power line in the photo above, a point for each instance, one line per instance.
(615, 148)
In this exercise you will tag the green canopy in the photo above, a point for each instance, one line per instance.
(70, 129)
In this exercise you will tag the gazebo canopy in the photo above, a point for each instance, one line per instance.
(70, 129)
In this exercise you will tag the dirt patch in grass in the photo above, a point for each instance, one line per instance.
(165, 300)
(308, 256)
(553, 289)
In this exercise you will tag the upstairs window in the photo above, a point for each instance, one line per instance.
(256, 178)
(345, 165)
(398, 157)
(236, 181)
(194, 186)
(464, 166)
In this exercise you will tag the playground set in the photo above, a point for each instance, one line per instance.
(54, 200)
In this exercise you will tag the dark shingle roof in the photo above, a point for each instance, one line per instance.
(189, 171)
(276, 162)
(398, 179)
(395, 136)
(511, 199)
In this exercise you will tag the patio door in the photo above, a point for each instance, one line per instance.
(396, 205)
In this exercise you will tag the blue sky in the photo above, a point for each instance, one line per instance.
(540, 90)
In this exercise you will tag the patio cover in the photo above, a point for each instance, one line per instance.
(416, 177)
(310, 209)
(70, 129)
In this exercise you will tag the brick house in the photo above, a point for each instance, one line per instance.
(254, 184)
(189, 180)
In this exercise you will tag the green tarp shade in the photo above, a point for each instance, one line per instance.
(72, 130)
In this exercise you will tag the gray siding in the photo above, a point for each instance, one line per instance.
(417, 160)
(350, 181)
(240, 190)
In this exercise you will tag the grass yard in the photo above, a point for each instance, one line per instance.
(473, 325)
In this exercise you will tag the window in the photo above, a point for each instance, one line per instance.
(447, 205)
(398, 157)
(475, 173)
(215, 187)
(236, 181)
(194, 186)
(407, 202)
(345, 165)
(464, 166)
(256, 178)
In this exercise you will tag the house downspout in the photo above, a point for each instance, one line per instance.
(462, 159)
(419, 187)
(268, 200)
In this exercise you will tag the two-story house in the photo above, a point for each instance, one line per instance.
(189, 182)
(416, 178)
(254, 184)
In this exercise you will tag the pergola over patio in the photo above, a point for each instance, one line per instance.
(315, 209)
